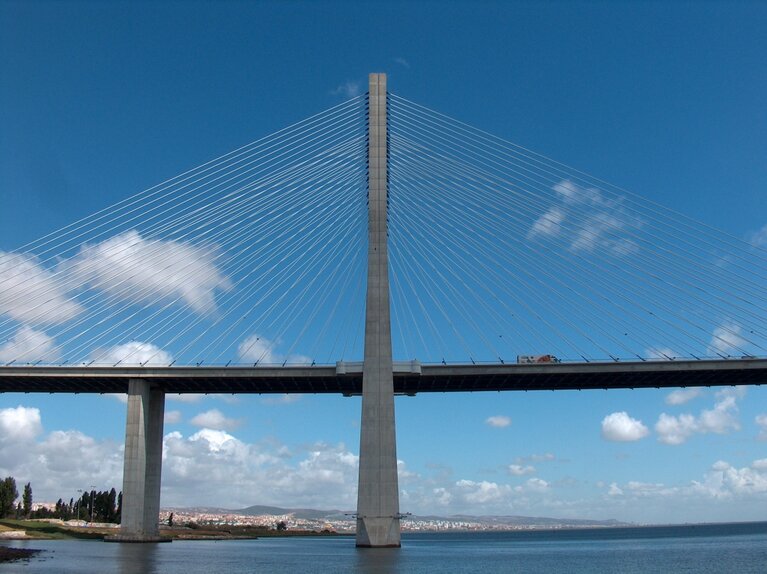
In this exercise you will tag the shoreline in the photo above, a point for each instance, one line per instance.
(8, 554)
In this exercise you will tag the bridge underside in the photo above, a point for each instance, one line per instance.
(347, 379)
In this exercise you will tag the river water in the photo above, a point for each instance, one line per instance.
(740, 548)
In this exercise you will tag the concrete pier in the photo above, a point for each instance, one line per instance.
(378, 489)
(143, 463)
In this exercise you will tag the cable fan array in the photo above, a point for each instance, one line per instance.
(255, 257)
(497, 252)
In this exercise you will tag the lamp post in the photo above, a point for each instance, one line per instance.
(93, 494)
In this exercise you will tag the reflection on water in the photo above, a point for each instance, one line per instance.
(709, 549)
(136, 558)
(377, 560)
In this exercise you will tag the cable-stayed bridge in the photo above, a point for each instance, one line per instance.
(379, 247)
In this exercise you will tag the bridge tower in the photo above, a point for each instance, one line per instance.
(378, 490)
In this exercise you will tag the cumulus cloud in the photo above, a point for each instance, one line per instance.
(723, 418)
(20, 424)
(498, 421)
(260, 350)
(482, 492)
(218, 469)
(726, 339)
(594, 222)
(56, 463)
(682, 396)
(133, 268)
(31, 294)
(534, 485)
(132, 353)
(614, 490)
(215, 419)
(621, 427)
(29, 345)
(722, 482)
(519, 470)
(761, 421)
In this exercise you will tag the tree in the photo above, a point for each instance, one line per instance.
(27, 499)
(281, 526)
(170, 519)
(8, 496)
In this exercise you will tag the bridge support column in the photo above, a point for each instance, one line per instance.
(378, 489)
(143, 463)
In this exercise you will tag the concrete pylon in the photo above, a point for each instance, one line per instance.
(378, 522)
(142, 464)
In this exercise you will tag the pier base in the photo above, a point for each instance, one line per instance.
(143, 464)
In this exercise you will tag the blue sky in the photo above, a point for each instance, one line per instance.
(100, 101)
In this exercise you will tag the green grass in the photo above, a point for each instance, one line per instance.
(44, 530)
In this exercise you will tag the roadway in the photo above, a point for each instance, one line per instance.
(409, 378)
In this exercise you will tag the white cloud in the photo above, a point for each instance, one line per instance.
(534, 485)
(550, 223)
(29, 345)
(31, 294)
(20, 424)
(58, 463)
(682, 396)
(596, 222)
(726, 340)
(132, 353)
(402, 62)
(137, 269)
(614, 490)
(621, 427)
(498, 421)
(761, 420)
(482, 492)
(725, 481)
(258, 349)
(217, 469)
(214, 419)
(722, 482)
(519, 470)
(675, 430)
(172, 417)
(759, 238)
(348, 89)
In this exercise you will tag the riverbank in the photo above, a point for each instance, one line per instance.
(58, 530)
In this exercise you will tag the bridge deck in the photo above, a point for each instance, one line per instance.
(347, 380)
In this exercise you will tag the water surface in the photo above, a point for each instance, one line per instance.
(704, 549)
